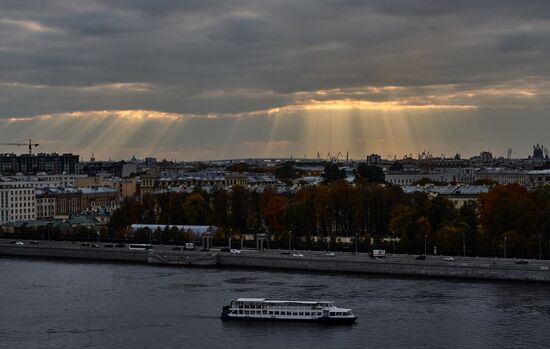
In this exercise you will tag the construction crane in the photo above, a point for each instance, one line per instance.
(30, 145)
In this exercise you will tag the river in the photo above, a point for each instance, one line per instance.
(59, 304)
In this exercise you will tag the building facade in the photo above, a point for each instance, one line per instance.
(17, 202)
(30, 164)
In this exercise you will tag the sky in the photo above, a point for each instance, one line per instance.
(205, 80)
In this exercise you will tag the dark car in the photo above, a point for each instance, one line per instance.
(108, 245)
(85, 244)
(420, 258)
(120, 245)
(286, 252)
(225, 249)
(176, 248)
(13, 241)
(521, 262)
(95, 245)
(34, 242)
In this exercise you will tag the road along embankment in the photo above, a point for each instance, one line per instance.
(70, 252)
(473, 268)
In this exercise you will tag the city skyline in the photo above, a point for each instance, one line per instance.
(204, 81)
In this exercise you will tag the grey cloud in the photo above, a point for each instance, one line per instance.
(259, 53)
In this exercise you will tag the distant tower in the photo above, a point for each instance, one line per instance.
(538, 152)
(92, 159)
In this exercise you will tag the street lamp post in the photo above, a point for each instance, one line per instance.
(540, 247)
(289, 239)
(356, 237)
(464, 244)
(425, 244)
(504, 246)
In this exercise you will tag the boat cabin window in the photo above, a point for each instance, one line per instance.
(332, 313)
(264, 312)
(301, 313)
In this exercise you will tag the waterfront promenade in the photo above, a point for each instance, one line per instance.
(432, 266)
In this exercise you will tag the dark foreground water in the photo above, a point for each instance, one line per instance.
(55, 304)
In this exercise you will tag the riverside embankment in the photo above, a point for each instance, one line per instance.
(433, 266)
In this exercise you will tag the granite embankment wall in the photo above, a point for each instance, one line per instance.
(121, 255)
(482, 269)
(433, 266)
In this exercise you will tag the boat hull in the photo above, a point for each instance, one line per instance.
(324, 320)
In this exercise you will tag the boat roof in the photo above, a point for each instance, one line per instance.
(265, 300)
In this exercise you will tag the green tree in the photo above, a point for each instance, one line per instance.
(299, 219)
(366, 173)
(286, 172)
(332, 173)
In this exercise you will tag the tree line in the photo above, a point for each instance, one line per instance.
(378, 215)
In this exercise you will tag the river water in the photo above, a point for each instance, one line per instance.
(58, 304)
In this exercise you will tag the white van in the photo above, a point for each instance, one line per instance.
(189, 246)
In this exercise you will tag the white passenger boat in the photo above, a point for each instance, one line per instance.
(267, 309)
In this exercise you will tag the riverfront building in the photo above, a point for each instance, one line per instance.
(67, 201)
(17, 201)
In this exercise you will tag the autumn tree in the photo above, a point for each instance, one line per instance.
(196, 209)
(273, 213)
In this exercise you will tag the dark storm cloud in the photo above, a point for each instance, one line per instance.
(234, 56)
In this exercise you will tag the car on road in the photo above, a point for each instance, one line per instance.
(95, 245)
(297, 255)
(13, 241)
(448, 259)
(190, 246)
(120, 245)
(330, 254)
(225, 249)
(86, 244)
(34, 242)
(19, 243)
(286, 252)
(521, 262)
(235, 251)
(420, 258)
